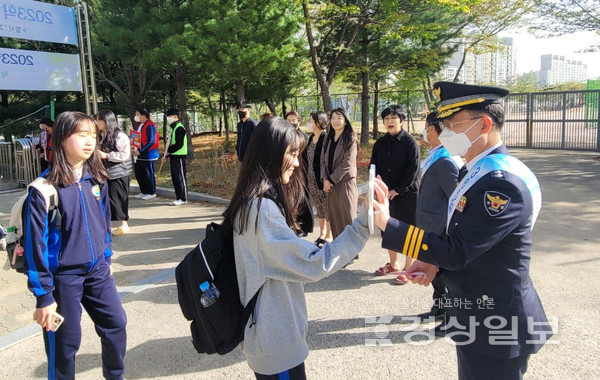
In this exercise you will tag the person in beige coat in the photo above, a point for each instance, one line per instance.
(338, 171)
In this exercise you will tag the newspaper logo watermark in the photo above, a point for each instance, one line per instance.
(497, 330)
(377, 330)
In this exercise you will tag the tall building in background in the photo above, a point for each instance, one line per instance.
(556, 69)
(497, 67)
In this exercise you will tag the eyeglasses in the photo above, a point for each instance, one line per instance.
(450, 126)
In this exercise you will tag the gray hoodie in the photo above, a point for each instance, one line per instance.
(269, 252)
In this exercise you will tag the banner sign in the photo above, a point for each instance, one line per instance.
(34, 20)
(39, 71)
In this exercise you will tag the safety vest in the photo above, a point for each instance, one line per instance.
(183, 150)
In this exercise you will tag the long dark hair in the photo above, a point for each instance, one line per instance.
(61, 173)
(321, 119)
(109, 141)
(260, 176)
(348, 136)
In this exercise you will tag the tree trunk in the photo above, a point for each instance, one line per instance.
(283, 106)
(364, 98)
(239, 89)
(376, 109)
(4, 98)
(211, 107)
(315, 60)
(225, 116)
(364, 109)
(271, 106)
(461, 65)
(180, 79)
(426, 95)
(220, 117)
(327, 105)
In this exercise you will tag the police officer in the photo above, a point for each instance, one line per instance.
(496, 319)
(439, 174)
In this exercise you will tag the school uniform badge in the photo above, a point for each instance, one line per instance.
(495, 203)
(460, 206)
(96, 191)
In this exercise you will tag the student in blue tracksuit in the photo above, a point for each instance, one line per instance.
(68, 258)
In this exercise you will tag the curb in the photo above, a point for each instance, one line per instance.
(192, 195)
(34, 329)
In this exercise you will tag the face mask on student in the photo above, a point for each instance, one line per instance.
(457, 144)
(242, 114)
(310, 128)
(170, 120)
(424, 133)
(137, 119)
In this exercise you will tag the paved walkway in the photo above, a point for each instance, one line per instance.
(564, 269)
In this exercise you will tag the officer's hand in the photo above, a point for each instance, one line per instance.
(393, 194)
(430, 271)
(381, 204)
(326, 186)
(43, 315)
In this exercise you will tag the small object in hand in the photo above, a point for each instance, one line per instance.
(405, 273)
(56, 321)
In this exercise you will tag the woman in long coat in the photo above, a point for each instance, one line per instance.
(338, 171)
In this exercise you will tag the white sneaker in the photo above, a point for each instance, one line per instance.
(178, 202)
(139, 196)
(148, 196)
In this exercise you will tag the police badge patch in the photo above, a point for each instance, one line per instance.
(495, 203)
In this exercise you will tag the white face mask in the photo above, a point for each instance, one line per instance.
(457, 144)
(137, 119)
(424, 133)
(310, 127)
(170, 120)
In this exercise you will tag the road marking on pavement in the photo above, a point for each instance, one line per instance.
(32, 330)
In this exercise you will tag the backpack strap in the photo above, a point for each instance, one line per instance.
(50, 196)
(249, 309)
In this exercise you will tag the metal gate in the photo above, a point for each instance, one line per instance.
(553, 120)
(27, 161)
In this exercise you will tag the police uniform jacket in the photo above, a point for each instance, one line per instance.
(437, 185)
(485, 258)
(76, 245)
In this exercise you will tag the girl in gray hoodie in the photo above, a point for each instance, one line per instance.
(270, 255)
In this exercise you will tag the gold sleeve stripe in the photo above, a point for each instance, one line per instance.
(407, 239)
(413, 239)
(415, 254)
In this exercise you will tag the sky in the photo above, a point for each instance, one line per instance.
(528, 50)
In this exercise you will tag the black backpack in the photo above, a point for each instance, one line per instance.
(219, 328)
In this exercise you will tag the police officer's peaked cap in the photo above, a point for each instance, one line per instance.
(452, 97)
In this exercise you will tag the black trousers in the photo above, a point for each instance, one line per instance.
(144, 173)
(439, 291)
(118, 194)
(97, 292)
(178, 176)
(475, 366)
(296, 373)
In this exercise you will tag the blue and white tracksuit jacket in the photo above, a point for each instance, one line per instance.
(81, 240)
